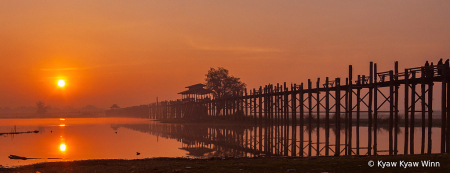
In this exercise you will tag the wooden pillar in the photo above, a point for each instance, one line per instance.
(260, 118)
(282, 119)
(265, 117)
(277, 116)
(396, 122)
(286, 120)
(234, 106)
(224, 106)
(375, 109)
(444, 70)
(294, 120)
(318, 117)
(327, 117)
(391, 111)
(347, 110)
(228, 107)
(405, 147)
(246, 105)
(214, 106)
(369, 129)
(157, 109)
(254, 132)
(358, 109)
(242, 105)
(350, 110)
(268, 103)
(212, 109)
(310, 116)
(413, 109)
(338, 117)
(422, 97)
(271, 142)
(301, 106)
(209, 108)
(254, 107)
(447, 133)
(430, 76)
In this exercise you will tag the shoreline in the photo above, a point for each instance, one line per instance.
(255, 164)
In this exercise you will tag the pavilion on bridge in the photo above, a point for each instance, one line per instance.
(196, 93)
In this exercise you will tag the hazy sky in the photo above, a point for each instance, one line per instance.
(130, 52)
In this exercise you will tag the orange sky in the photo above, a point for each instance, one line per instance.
(130, 52)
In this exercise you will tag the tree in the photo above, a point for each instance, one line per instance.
(222, 84)
(114, 106)
(41, 108)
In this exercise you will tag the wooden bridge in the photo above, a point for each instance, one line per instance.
(335, 105)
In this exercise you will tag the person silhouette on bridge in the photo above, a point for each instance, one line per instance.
(440, 67)
(425, 71)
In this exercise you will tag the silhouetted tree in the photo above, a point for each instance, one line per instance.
(41, 108)
(222, 84)
(114, 106)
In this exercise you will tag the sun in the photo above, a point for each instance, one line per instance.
(61, 83)
(62, 147)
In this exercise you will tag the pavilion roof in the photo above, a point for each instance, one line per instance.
(200, 91)
(199, 85)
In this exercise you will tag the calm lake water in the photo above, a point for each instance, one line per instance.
(69, 139)
(81, 139)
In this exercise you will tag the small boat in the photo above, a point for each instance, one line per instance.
(19, 157)
(16, 157)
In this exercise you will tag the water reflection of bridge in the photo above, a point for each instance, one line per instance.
(222, 140)
(241, 141)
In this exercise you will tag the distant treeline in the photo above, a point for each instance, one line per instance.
(51, 111)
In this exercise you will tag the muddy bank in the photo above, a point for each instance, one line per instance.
(257, 165)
